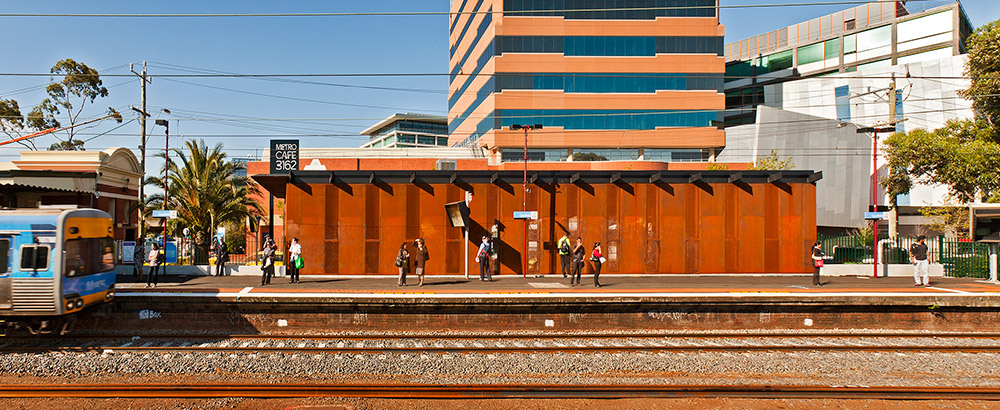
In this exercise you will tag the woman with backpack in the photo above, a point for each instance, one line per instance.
(403, 263)
(598, 260)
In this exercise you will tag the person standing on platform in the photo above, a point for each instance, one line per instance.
(578, 256)
(221, 255)
(598, 259)
(483, 259)
(138, 259)
(918, 257)
(267, 265)
(422, 257)
(154, 265)
(403, 263)
(564, 258)
(817, 258)
(295, 253)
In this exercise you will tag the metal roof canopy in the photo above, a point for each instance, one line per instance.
(275, 183)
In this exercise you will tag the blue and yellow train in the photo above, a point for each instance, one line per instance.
(55, 262)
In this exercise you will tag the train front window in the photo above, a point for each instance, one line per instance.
(87, 256)
(34, 258)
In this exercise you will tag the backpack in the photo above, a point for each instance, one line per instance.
(564, 248)
(486, 251)
(399, 260)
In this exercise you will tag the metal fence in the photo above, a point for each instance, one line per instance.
(960, 258)
(247, 253)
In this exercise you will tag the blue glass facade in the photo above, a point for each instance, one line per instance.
(604, 119)
(468, 22)
(612, 46)
(609, 82)
(610, 9)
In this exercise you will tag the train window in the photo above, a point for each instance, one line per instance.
(85, 256)
(4, 255)
(34, 257)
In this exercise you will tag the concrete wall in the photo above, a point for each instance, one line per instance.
(843, 155)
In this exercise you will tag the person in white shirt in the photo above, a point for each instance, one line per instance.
(295, 252)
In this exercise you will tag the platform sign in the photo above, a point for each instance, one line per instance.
(984, 223)
(525, 214)
(875, 215)
(284, 156)
(171, 252)
(128, 252)
(160, 213)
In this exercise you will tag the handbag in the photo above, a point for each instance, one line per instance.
(818, 263)
(603, 260)
(299, 263)
(399, 261)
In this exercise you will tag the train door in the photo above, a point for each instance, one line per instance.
(5, 272)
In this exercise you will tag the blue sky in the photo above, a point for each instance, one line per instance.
(244, 113)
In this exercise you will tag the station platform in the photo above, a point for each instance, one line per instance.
(375, 304)
(557, 287)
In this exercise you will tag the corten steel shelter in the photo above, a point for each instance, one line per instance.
(353, 222)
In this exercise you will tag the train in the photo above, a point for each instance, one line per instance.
(56, 263)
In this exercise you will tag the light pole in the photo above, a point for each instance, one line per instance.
(166, 163)
(524, 199)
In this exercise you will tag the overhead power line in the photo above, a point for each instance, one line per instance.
(437, 13)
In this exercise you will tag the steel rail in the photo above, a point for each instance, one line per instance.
(554, 336)
(502, 350)
(530, 391)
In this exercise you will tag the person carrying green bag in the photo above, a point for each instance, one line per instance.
(295, 257)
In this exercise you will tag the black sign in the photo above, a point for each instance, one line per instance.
(284, 156)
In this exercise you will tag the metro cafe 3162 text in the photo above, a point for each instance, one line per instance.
(284, 156)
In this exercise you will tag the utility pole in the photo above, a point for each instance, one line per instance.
(894, 212)
(143, 80)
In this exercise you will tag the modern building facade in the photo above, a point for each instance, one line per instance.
(408, 130)
(864, 38)
(781, 99)
(619, 80)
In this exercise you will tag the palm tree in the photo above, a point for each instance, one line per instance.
(205, 191)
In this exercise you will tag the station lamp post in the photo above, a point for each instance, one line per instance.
(524, 203)
(166, 163)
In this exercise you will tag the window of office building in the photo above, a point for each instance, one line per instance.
(604, 154)
(534, 154)
(775, 62)
(610, 9)
(832, 49)
(609, 45)
(843, 98)
(608, 82)
(811, 53)
(607, 119)
(875, 38)
(675, 155)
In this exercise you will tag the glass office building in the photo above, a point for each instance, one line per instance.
(408, 130)
(621, 79)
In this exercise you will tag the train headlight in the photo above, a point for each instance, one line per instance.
(69, 305)
(79, 303)
(109, 295)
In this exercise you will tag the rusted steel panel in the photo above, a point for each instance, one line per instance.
(644, 228)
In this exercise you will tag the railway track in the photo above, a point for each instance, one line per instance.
(941, 343)
(537, 391)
